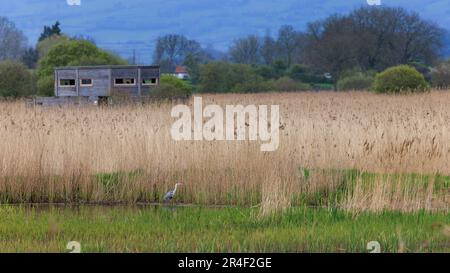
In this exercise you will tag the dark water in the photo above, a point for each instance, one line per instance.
(105, 208)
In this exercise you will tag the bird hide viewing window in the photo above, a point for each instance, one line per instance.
(124, 81)
(86, 82)
(66, 82)
(151, 81)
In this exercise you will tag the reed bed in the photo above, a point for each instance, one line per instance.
(124, 153)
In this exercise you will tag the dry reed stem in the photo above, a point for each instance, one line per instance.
(51, 154)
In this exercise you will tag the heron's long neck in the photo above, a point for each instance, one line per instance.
(175, 190)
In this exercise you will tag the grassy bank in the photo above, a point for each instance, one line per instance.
(351, 190)
(176, 229)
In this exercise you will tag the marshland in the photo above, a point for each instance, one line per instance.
(369, 164)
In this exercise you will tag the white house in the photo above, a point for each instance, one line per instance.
(181, 73)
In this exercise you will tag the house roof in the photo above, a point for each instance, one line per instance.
(108, 67)
(180, 69)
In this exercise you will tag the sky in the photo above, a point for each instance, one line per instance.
(126, 25)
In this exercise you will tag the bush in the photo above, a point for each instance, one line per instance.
(266, 72)
(441, 76)
(305, 74)
(358, 81)
(224, 77)
(287, 84)
(402, 78)
(15, 80)
(46, 86)
(423, 69)
(323, 86)
(273, 71)
(171, 88)
(252, 85)
(214, 77)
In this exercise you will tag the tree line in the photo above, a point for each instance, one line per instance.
(341, 51)
(359, 44)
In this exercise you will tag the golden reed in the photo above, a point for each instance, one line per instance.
(70, 154)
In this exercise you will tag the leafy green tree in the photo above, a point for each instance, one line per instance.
(15, 80)
(71, 53)
(44, 46)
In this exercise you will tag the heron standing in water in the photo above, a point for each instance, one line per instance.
(171, 194)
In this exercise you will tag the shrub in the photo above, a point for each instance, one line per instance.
(214, 77)
(274, 71)
(252, 85)
(358, 81)
(441, 75)
(423, 69)
(171, 87)
(402, 78)
(305, 74)
(287, 84)
(323, 86)
(224, 77)
(46, 86)
(267, 72)
(15, 80)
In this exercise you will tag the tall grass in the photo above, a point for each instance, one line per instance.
(125, 153)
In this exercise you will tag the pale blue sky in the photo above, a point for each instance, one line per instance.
(124, 25)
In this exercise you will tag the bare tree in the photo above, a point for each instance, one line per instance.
(13, 42)
(288, 44)
(268, 49)
(172, 50)
(246, 50)
(372, 38)
(419, 40)
(330, 46)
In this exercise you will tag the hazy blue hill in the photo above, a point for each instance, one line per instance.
(124, 25)
(447, 45)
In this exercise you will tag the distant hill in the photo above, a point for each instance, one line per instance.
(134, 25)
(447, 45)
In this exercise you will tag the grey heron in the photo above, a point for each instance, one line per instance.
(170, 195)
